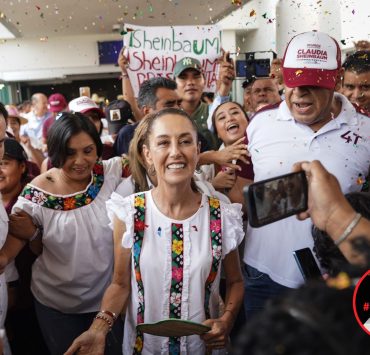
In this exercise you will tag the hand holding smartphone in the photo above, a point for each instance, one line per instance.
(273, 199)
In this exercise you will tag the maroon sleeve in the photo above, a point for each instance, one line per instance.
(46, 126)
(247, 169)
(32, 170)
(108, 152)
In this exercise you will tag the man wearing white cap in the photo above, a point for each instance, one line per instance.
(312, 123)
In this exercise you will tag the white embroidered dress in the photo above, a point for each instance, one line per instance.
(156, 267)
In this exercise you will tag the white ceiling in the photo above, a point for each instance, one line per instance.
(43, 18)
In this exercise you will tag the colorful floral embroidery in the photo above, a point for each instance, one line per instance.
(139, 226)
(177, 248)
(139, 201)
(69, 203)
(216, 225)
(43, 199)
(216, 244)
(214, 202)
(126, 172)
(176, 281)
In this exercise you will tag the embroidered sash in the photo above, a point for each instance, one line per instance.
(44, 199)
(216, 245)
(139, 226)
(177, 248)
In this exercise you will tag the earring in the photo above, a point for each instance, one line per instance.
(151, 170)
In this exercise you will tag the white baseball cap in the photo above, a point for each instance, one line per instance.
(311, 59)
(84, 104)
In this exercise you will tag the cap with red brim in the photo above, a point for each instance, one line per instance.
(294, 77)
(311, 59)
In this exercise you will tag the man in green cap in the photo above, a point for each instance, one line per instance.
(190, 85)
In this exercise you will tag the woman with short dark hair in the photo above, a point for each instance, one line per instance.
(70, 125)
(67, 204)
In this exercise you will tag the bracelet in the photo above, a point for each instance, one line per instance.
(124, 76)
(37, 233)
(348, 230)
(103, 317)
(110, 314)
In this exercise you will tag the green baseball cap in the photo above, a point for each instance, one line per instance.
(186, 63)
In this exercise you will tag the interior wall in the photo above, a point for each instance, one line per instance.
(294, 18)
(26, 59)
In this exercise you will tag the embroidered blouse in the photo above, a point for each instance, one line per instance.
(76, 264)
(164, 240)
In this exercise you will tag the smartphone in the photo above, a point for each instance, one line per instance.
(307, 264)
(273, 199)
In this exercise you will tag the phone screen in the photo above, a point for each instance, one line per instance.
(307, 264)
(277, 198)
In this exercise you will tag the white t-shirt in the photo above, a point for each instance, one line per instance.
(276, 142)
(33, 128)
(76, 263)
(155, 265)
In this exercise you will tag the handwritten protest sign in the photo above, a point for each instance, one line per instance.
(154, 51)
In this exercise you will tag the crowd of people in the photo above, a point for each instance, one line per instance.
(135, 213)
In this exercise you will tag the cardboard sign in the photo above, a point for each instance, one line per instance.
(154, 51)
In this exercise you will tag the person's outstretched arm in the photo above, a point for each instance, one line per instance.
(10, 250)
(127, 90)
(329, 209)
(236, 151)
(217, 337)
(224, 85)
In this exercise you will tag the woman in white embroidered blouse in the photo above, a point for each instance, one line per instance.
(168, 264)
(67, 203)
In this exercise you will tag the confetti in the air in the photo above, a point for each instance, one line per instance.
(252, 13)
(236, 2)
(360, 180)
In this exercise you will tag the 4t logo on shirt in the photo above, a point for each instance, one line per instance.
(350, 136)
